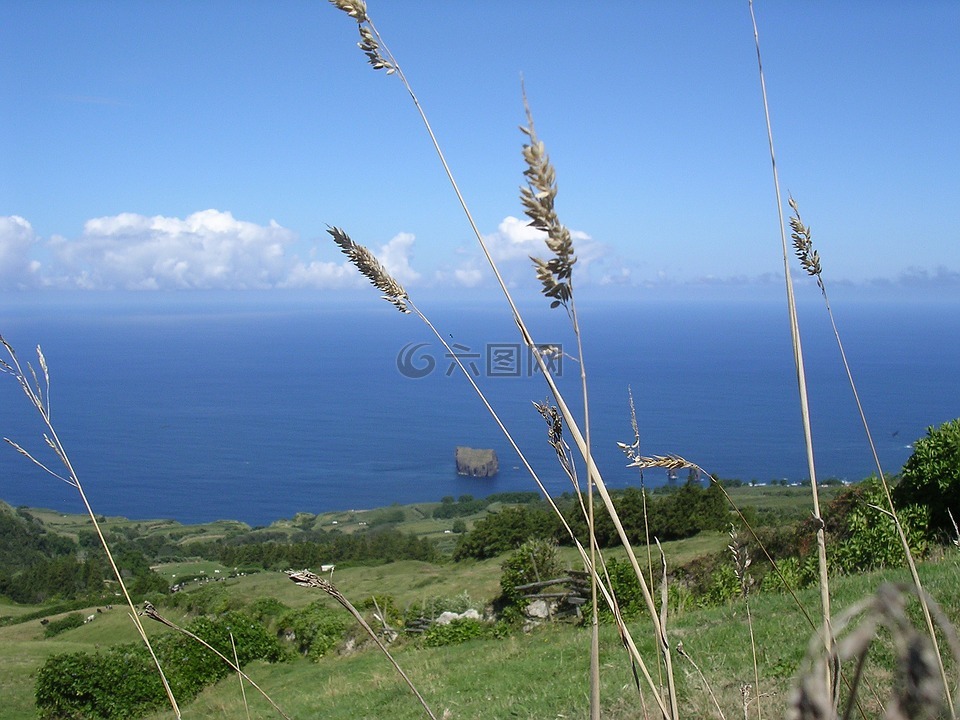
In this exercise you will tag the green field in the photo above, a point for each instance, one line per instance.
(541, 673)
(534, 675)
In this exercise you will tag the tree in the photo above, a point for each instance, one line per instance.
(931, 476)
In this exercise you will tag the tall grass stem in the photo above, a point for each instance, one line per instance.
(827, 632)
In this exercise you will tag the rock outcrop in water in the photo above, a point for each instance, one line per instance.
(476, 462)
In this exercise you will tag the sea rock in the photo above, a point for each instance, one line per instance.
(476, 462)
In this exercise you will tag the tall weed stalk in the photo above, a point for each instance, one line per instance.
(381, 58)
(394, 293)
(810, 262)
(39, 397)
(827, 632)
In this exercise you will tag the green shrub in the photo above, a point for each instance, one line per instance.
(505, 530)
(864, 536)
(626, 588)
(798, 574)
(534, 561)
(318, 628)
(67, 622)
(121, 682)
(267, 609)
(116, 684)
(724, 586)
(460, 631)
(386, 605)
(931, 476)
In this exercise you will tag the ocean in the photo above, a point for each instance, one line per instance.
(256, 409)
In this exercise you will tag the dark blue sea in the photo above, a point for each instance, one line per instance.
(201, 408)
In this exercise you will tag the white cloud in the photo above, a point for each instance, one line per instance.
(395, 257)
(511, 247)
(17, 240)
(208, 249)
(320, 274)
(515, 239)
(468, 276)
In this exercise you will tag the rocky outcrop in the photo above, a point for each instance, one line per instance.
(476, 462)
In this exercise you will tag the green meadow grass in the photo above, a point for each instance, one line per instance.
(537, 675)
(542, 674)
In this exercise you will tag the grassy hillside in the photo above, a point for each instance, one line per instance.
(537, 674)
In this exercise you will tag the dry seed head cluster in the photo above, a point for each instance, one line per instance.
(741, 561)
(917, 691)
(667, 462)
(803, 245)
(371, 48)
(538, 199)
(357, 9)
(367, 263)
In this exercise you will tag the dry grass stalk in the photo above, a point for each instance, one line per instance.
(703, 678)
(243, 690)
(538, 199)
(39, 396)
(556, 277)
(594, 477)
(741, 566)
(918, 691)
(810, 261)
(625, 635)
(632, 451)
(368, 265)
(306, 578)
(827, 632)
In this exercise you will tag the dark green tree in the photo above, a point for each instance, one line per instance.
(931, 476)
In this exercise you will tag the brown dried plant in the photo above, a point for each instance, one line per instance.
(741, 567)
(39, 396)
(306, 578)
(559, 274)
(538, 198)
(824, 576)
(918, 691)
(803, 245)
(810, 261)
(368, 265)
(593, 564)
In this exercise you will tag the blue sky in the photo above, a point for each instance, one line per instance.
(184, 145)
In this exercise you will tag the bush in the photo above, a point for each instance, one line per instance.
(931, 476)
(505, 530)
(868, 538)
(533, 561)
(798, 574)
(460, 631)
(672, 514)
(266, 609)
(318, 628)
(121, 682)
(68, 622)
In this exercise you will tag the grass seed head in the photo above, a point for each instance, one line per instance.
(538, 199)
(803, 244)
(357, 9)
(366, 262)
